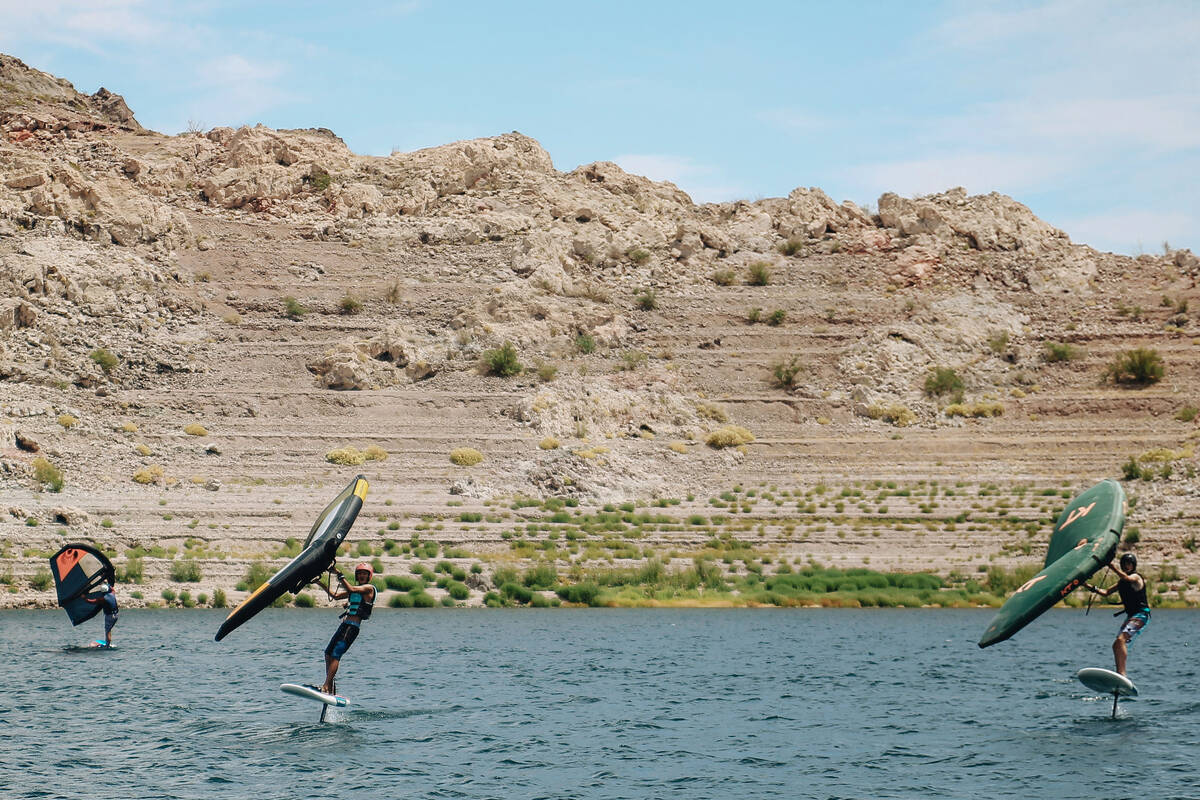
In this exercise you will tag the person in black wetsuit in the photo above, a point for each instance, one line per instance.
(360, 600)
(1132, 588)
(108, 597)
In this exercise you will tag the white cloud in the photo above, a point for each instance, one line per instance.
(978, 172)
(1131, 231)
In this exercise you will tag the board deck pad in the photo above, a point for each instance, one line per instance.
(314, 694)
(1107, 681)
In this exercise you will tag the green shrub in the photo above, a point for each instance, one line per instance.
(542, 576)
(168, 595)
(257, 574)
(759, 273)
(1131, 470)
(632, 360)
(305, 600)
(1059, 351)
(292, 309)
(185, 570)
(41, 580)
(546, 372)
(941, 381)
(104, 359)
(403, 583)
(1187, 413)
(754, 316)
(585, 344)
(792, 246)
(219, 599)
(516, 592)
(422, 600)
(724, 277)
(47, 474)
(319, 179)
(783, 373)
(400, 601)
(502, 361)
(777, 317)
(202, 598)
(185, 599)
(1138, 366)
(349, 304)
(646, 300)
(458, 591)
(134, 570)
(586, 593)
(638, 255)
(998, 342)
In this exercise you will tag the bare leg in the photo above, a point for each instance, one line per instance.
(1120, 651)
(331, 668)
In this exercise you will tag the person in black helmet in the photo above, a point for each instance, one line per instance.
(108, 597)
(1132, 588)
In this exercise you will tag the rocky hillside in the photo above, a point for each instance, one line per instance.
(191, 326)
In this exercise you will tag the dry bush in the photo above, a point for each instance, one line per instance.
(393, 293)
(724, 277)
(348, 456)
(375, 453)
(142, 449)
(67, 421)
(678, 447)
(729, 436)
(195, 429)
(129, 427)
(898, 415)
(149, 474)
(232, 318)
(711, 412)
(549, 443)
(465, 456)
(47, 474)
(980, 409)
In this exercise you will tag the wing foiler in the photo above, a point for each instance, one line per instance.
(78, 569)
(320, 549)
(1085, 539)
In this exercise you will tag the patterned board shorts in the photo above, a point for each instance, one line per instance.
(1134, 625)
(346, 633)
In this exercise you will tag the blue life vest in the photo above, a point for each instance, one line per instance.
(359, 606)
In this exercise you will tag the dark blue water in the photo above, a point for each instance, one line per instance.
(598, 704)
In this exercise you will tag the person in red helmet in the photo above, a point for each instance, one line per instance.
(360, 600)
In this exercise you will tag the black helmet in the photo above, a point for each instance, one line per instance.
(1129, 559)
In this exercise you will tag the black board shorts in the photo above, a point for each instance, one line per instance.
(345, 635)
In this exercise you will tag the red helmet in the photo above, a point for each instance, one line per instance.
(364, 567)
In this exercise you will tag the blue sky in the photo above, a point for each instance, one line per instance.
(1087, 111)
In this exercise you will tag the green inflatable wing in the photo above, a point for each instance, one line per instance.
(1085, 539)
(320, 549)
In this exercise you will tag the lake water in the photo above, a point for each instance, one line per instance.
(598, 704)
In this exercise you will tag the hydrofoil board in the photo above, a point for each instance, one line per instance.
(1106, 681)
(314, 694)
